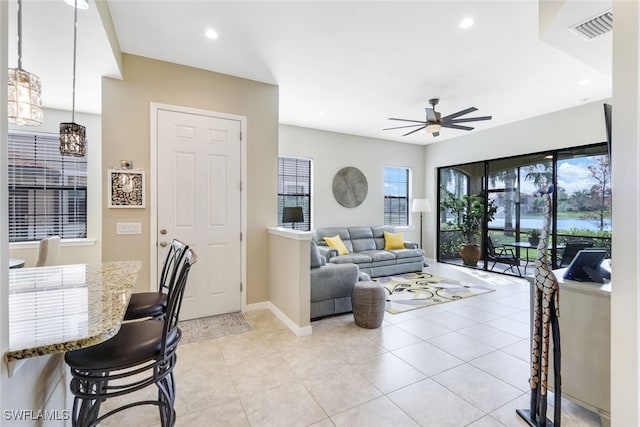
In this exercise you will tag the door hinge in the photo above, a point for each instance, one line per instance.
(240, 185)
(241, 236)
(240, 286)
(240, 135)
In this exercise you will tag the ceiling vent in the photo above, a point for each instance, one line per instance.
(595, 27)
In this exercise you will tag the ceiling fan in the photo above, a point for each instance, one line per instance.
(434, 122)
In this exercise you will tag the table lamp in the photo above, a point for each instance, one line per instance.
(293, 215)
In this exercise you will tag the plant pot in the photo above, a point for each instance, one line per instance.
(533, 241)
(470, 254)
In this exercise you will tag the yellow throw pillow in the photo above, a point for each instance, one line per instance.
(393, 241)
(337, 243)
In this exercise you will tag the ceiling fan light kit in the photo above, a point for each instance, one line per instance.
(434, 122)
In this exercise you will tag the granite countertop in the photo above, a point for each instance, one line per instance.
(60, 308)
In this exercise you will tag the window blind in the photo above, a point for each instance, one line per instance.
(294, 188)
(47, 191)
(396, 196)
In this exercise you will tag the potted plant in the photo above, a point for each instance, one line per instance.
(468, 216)
(534, 237)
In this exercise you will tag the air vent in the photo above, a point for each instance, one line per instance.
(596, 26)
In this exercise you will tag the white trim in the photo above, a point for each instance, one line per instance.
(154, 107)
(63, 243)
(293, 327)
(290, 233)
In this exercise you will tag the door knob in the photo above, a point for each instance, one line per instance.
(163, 244)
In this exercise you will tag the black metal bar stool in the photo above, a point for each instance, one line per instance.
(153, 304)
(139, 355)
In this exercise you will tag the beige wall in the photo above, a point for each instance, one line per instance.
(125, 125)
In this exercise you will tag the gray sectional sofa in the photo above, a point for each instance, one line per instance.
(366, 250)
(331, 285)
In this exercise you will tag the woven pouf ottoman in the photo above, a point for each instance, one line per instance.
(368, 300)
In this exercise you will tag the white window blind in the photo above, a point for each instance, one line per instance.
(396, 196)
(47, 191)
(294, 188)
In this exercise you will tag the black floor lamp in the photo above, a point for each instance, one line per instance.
(422, 206)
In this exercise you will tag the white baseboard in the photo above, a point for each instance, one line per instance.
(293, 327)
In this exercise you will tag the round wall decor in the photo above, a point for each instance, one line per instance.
(350, 187)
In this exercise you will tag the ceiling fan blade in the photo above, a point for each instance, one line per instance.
(459, 113)
(413, 131)
(454, 126)
(469, 119)
(406, 120)
(408, 126)
(431, 115)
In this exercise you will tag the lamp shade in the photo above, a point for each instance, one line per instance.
(421, 205)
(292, 214)
(72, 139)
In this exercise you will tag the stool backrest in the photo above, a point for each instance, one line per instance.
(171, 263)
(48, 251)
(174, 299)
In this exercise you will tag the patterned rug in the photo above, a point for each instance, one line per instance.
(411, 291)
(213, 327)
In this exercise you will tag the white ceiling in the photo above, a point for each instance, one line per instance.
(343, 66)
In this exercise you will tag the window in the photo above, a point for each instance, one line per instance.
(47, 191)
(396, 196)
(294, 189)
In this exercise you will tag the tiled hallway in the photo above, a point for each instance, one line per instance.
(463, 363)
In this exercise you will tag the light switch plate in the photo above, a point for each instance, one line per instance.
(128, 228)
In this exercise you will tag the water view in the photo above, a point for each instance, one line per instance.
(563, 223)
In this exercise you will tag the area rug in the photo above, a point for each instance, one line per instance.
(213, 327)
(411, 291)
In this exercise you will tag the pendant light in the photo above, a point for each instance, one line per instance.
(25, 90)
(72, 135)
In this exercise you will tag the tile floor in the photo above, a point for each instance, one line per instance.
(462, 363)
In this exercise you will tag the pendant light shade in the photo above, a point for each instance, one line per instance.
(72, 139)
(25, 90)
(72, 135)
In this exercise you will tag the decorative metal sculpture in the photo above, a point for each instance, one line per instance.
(545, 321)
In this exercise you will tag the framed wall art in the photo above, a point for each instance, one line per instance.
(126, 188)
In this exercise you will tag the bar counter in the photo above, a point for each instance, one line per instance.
(66, 307)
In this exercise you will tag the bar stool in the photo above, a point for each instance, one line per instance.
(139, 355)
(153, 304)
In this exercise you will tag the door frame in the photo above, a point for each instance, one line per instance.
(154, 107)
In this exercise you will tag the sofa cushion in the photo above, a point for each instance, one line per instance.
(361, 239)
(378, 234)
(408, 253)
(377, 255)
(337, 243)
(316, 259)
(393, 241)
(355, 258)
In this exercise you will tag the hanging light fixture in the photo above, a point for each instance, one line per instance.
(72, 135)
(25, 90)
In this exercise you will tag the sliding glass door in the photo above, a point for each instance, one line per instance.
(514, 215)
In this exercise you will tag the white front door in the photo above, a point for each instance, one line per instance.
(199, 202)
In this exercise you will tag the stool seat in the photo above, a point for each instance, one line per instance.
(368, 300)
(146, 304)
(135, 343)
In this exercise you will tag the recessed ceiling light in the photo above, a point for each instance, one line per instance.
(211, 34)
(585, 82)
(466, 23)
(321, 113)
